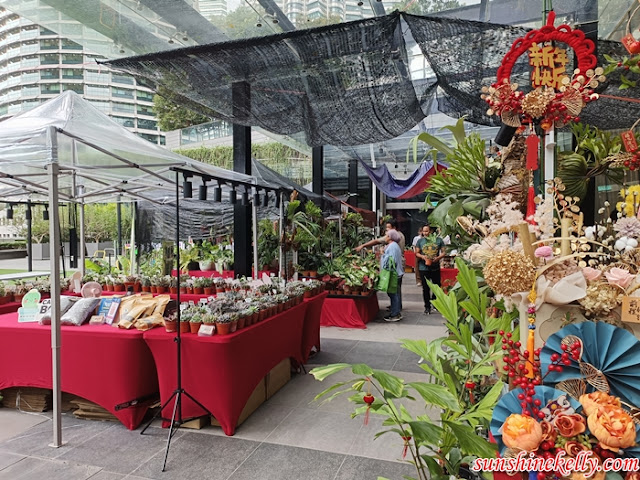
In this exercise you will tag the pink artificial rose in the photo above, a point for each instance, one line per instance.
(591, 274)
(545, 252)
(619, 276)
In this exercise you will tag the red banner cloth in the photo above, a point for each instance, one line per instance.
(349, 312)
(311, 328)
(222, 371)
(100, 363)
(410, 258)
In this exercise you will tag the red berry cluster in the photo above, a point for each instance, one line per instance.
(634, 162)
(517, 368)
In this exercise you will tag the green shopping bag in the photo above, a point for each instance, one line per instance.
(388, 281)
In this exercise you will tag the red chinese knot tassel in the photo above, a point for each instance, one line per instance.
(531, 205)
(406, 446)
(533, 145)
(368, 399)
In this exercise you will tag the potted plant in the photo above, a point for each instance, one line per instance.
(189, 283)
(129, 281)
(173, 285)
(198, 285)
(219, 284)
(195, 321)
(118, 284)
(163, 283)
(145, 283)
(183, 287)
(171, 322)
(223, 323)
(4, 297)
(207, 285)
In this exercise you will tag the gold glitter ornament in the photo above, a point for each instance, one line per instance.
(535, 102)
(509, 272)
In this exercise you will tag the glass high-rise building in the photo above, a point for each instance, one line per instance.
(37, 64)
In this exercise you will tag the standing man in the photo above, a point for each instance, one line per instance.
(413, 245)
(393, 252)
(429, 251)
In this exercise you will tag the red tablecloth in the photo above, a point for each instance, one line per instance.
(222, 371)
(448, 278)
(100, 363)
(410, 258)
(349, 312)
(10, 307)
(311, 328)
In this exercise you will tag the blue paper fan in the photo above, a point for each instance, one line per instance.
(612, 350)
(509, 404)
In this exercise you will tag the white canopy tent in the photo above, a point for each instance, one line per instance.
(67, 150)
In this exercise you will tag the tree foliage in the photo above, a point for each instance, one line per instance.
(425, 7)
(172, 116)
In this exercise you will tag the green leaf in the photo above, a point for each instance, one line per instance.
(458, 130)
(482, 370)
(389, 383)
(491, 398)
(610, 59)
(435, 143)
(425, 432)
(329, 390)
(432, 464)
(419, 347)
(361, 369)
(434, 394)
(470, 442)
(320, 373)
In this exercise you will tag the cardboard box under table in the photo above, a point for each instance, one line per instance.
(103, 364)
(222, 371)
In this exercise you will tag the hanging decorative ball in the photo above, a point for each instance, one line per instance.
(368, 399)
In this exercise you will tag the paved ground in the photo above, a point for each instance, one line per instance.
(289, 437)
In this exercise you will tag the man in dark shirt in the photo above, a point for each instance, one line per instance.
(429, 251)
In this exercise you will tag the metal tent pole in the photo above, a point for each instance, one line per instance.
(29, 219)
(54, 234)
(82, 236)
(254, 216)
(281, 258)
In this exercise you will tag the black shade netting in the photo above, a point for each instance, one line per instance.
(349, 84)
(346, 84)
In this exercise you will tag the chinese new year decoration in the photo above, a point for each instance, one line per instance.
(557, 98)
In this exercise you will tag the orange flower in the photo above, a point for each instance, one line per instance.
(591, 401)
(570, 425)
(613, 427)
(549, 433)
(573, 448)
(522, 432)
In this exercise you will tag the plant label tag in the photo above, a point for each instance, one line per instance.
(629, 141)
(184, 306)
(627, 40)
(206, 330)
(631, 309)
(266, 278)
(191, 303)
(202, 301)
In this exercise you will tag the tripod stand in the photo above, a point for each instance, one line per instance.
(176, 417)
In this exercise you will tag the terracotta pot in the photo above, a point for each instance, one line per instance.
(170, 326)
(347, 290)
(137, 287)
(154, 289)
(4, 300)
(305, 273)
(313, 273)
(219, 290)
(364, 293)
(108, 287)
(118, 288)
(194, 327)
(280, 307)
(234, 325)
(146, 288)
(209, 290)
(173, 290)
(184, 327)
(223, 328)
(127, 285)
(307, 294)
(242, 322)
(198, 291)
(190, 290)
(183, 289)
(17, 298)
(161, 289)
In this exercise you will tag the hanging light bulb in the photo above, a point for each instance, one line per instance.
(256, 198)
(45, 214)
(27, 213)
(233, 196)
(9, 211)
(244, 198)
(265, 199)
(277, 199)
